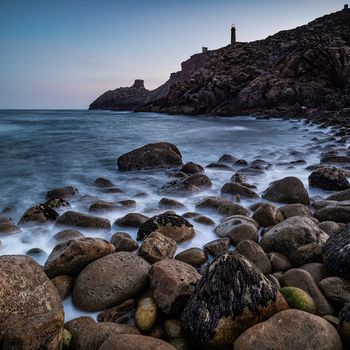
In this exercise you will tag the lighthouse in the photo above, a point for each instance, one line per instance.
(233, 35)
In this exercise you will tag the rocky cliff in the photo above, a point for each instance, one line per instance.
(294, 72)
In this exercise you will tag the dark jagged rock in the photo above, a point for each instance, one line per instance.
(63, 193)
(331, 179)
(40, 214)
(336, 253)
(159, 155)
(170, 225)
(231, 297)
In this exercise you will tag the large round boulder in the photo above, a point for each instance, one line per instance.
(38, 215)
(131, 220)
(330, 179)
(267, 215)
(339, 212)
(31, 312)
(235, 188)
(170, 225)
(293, 330)
(70, 257)
(288, 190)
(231, 297)
(110, 280)
(172, 284)
(336, 253)
(298, 238)
(75, 219)
(159, 155)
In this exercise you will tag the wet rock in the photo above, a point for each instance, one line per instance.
(146, 314)
(290, 329)
(101, 206)
(316, 270)
(127, 204)
(131, 220)
(36, 253)
(227, 158)
(234, 188)
(40, 214)
(132, 342)
(288, 190)
(333, 159)
(318, 204)
(298, 299)
(302, 279)
(123, 313)
(57, 203)
(63, 193)
(212, 203)
(254, 253)
(330, 179)
(217, 247)
(219, 166)
(157, 247)
(330, 227)
(67, 235)
(336, 289)
(170, 225)
(232, 209)
(75, 219)
(172, 329)
(63, 284)
(168, 203)
(190, 215)
(172, 284)
(123, 242)
(298, 238)
(279, 262)
(110, 280)
(103, 183)
(88, 334)
(193, 256)
(344, 325)
(70, 257)
(192, 184)
(267, 215)
(336, 253)
(204, 220)
(231, 297)
(191, 168)
(31, 309)
(7, 227)
(340, 196)
(238, 228)
(296, 209)
(153, 156)
(339, 212)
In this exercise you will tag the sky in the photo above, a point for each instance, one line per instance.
(58, 54)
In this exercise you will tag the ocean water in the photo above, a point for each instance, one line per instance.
(41, 150)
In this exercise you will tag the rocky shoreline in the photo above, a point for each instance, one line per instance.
(276, 277)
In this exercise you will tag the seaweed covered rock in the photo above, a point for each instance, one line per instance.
(298, 299)
(153, 156)
(168, 224)
(292, 330)
(329, 178)
(192, 184)
(231, 297)
(336, 253)
(70, 257)
(287, 190)
(298, 238)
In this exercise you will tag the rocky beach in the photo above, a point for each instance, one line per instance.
(179, 226)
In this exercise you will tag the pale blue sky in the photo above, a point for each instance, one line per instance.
(63, 54)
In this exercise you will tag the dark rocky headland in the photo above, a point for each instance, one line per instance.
(303, 72)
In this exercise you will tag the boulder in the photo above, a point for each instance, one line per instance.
(101, 206)
(132, 342)
(38, 215)
(75, 219)
(153, 156)
(170, 225)
(157, 247)
(298, 299)
(268, 215)
(298, 238)
(288, 190)
(193, 256)
(204, 220)
(57, 203)
(123, 313)
(67, 235)
(344, 325)
(31, 310)
(168, 203)
(110, 280)
(279, 262)
(63, 193)
(146, 314)
(293, 330)
(231, 297)
(188, 185)
(70, 257)
(63, 284)
(336, 289)
(235, 188)
(339, 212)
(329, 179)
(172, 284)
(212, 203)
(123, 242)
(303, 280)
(232, 209)
(191, 168)
(217, 247)
(340, 196)
(7, 227)
(296, 209)
(316, 270)
(103, 183)
(330, 227)
(131, 220)
(336, 253)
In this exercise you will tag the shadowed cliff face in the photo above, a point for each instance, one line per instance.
(293, 72)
